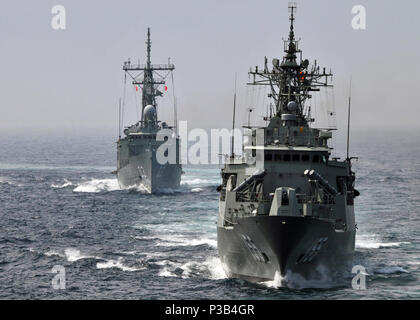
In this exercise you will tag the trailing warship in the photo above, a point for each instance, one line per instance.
(138, 161)
(286, 207)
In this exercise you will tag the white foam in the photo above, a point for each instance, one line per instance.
(104, 185)
(391, 270)
(31, 166)
(170, 190)
(196, 181)
(98, 185)
(211, 268)
(182, 189)
(73, 254)
(277, 282)
(373, 242)
(215, 267)
(54, 253)
(144, 237)
(64, 185)
(139, 188)
(166, 273)
(168, 267)
(4, 180)
(115, 264)
(296, 281)
(176, 240)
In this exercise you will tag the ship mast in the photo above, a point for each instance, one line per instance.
(148, 84)
(348, 125)
(291, 80)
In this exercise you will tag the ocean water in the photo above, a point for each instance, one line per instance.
(60, 205)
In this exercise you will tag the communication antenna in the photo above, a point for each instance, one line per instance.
(119, 120)
(123, 103)
(175, 102)
(144, 75)
(292, 9)
(176, 117)
(135, 99)
(232, 153)
(348, 123)
(249, 115)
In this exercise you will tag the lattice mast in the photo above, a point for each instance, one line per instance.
(148, 84)
(289, 80)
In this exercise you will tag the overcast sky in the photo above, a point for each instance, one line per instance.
(73, 79)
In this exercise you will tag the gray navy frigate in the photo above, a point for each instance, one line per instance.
(286, 208)
(137, 161)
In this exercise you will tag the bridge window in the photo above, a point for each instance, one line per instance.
(315, 158)
(286, 157)
(305, 157)
(296, 157)
(277, 157)
(268, 157)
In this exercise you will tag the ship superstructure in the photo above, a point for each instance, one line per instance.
(138, 161)
(286, 207)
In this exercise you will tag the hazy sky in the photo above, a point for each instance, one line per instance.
(73, 79)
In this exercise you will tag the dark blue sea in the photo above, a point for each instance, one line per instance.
(60, 205)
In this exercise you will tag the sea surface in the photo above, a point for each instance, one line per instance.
(61, 205)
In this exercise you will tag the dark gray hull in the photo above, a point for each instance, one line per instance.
(143, 170)
(301, 248)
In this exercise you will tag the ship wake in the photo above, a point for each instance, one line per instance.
(210, 268)
(324, 280)
(108, 185)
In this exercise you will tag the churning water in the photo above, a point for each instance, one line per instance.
(60, 205)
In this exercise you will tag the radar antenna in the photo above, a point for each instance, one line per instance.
(348, 124)
(291, 80)
(232, 153)
(148, 84)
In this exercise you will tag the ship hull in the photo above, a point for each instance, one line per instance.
(143, 170)
(294, 248)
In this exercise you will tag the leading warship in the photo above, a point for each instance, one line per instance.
(286, 209)
(138, 161)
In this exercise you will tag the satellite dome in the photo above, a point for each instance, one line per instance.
(291, 106)
(149, 113)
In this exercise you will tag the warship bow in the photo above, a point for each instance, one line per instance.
(286, 208)
(138, 161)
